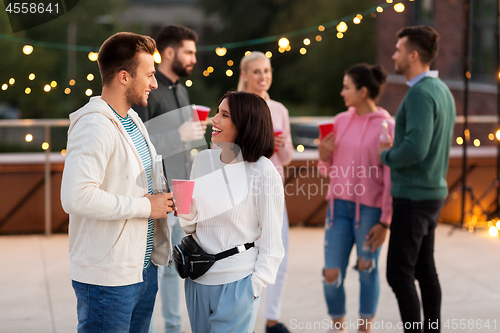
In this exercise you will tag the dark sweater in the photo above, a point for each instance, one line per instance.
(164, 129)
(423, 134)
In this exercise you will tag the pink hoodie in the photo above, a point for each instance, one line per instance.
(279, 114)
(355, 174)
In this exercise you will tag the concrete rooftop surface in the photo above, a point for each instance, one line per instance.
(36, 293)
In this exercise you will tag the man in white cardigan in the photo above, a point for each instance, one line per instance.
(118, 232)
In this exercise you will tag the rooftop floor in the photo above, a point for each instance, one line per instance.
(36, 292)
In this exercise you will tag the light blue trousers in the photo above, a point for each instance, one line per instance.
(169, 285)
(225, 308)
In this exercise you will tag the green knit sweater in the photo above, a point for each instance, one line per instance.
(423, 134)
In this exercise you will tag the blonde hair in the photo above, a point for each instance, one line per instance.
(255, 55)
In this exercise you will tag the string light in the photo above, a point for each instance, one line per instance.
(188, 83)
(27, 49)
(47, 88)
(460, 140)
(399, 7)
(342, 27)
(45, 146)
(497, 134)
(157, 57)
(28, 137)
(31, 77)
(194, 152)
(221, 51)
(27, 91)
(88, 92)
(477, 143)
(93, 56)
(300, 148)
(63, 152)
(493, 231)
(5, 86)
(210, 69)
(229, 73)
(373, 15)
(491, 136)
(283, 42)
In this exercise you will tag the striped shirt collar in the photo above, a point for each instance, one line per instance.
(419, 77)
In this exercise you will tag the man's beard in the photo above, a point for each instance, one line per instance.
(179, 69)
(135, 99)
(401, 68)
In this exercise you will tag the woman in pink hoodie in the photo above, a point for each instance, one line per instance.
(360, 202)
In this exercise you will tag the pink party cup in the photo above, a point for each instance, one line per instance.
(183, 193)
(277, 132)
(324, 129)
(200, 112)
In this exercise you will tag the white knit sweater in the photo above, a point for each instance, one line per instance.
(238, 203)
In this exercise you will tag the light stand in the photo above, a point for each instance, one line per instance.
(496, 211)
(466, 190)
(466, 133)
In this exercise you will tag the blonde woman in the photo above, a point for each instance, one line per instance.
(256, 77)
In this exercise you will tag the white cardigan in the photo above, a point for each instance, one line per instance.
(238, 203)
(103, 190)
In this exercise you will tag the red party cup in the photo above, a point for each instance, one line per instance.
(324, 129)
(183, 193)
(200, 112)
(277, 132)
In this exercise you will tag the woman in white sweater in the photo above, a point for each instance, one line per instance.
(238, 199)
(256, 76)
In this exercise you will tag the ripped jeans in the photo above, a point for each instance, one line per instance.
(341, 234)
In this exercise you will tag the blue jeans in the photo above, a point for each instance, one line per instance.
(341, 234)
(223, 308)
(117, 309)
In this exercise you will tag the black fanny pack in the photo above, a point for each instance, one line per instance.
(192, 261)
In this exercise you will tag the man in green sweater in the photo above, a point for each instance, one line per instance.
(419, 163)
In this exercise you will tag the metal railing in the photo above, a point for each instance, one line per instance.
(47, 124)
